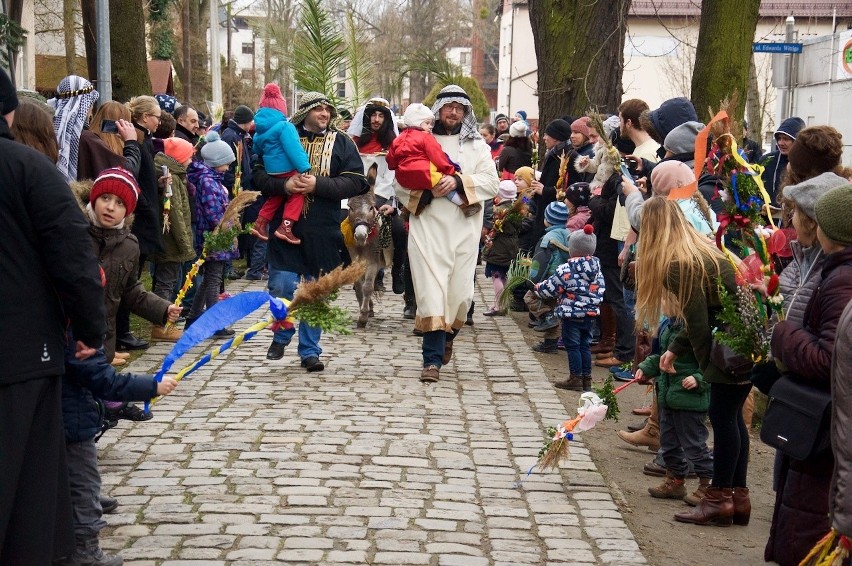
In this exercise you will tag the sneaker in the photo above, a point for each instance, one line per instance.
(312, 364)
(223, 333)
(234, 275)
(253, 277)
(624, 375)
(88, 553)
(275, 351)
(494, 312)
(108, 504)
(129, 412)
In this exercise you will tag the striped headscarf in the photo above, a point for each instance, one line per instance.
(75, 96)
(455, 93)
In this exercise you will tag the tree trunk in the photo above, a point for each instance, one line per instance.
(186, 81)
(199, 75)
(754, 104)
(723, 54)
(127, 47)
(90, 37)
(580, 51)
(69, 23)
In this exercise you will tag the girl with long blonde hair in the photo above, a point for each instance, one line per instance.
(676, 261)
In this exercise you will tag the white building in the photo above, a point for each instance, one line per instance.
(657, 59)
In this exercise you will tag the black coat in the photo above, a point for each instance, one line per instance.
(148, 216)
(48, 270)
(533, 228)
(603, 210)
(319, 228)
(84, 380)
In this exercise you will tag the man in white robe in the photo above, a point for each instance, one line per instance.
(443, 238)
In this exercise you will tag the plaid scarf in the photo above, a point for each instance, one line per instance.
(75, 96)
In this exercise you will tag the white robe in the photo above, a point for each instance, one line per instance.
(443, 243)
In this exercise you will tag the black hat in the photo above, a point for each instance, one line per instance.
(243, 114)
(558, 129)
(8, 97)
(344, 114)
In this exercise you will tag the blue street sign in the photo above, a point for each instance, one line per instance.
(776, 47)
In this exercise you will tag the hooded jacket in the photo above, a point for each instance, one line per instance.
(178, 240)
(277, 142)
(577, 285)
(211, 200)
(774, 163)
(671, 114)
(49, 273)
(504, 246)
(670, 393)
(550, 252)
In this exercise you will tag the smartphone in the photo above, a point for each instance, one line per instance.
(109, 127)
(626, 172)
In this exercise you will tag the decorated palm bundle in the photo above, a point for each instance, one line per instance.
(590, 412)
(518, 274)
(746, 221)
(220, 238)
(832, 550)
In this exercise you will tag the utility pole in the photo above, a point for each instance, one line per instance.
(104, 80)
(215, 56)
(787, 92)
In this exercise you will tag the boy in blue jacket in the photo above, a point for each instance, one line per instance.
(84, 383)
(578, 286)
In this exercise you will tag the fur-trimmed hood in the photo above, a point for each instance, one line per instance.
(82, 190)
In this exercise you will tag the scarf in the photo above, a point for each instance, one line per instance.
(455, 93)
(75, 96)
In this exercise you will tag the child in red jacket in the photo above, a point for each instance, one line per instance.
(417, 157)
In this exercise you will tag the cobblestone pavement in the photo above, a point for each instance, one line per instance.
(259, 462)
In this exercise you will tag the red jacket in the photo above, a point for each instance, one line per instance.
(415, 155)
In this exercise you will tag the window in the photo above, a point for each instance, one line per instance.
(464, 58)
(341, 90)
(248, 48)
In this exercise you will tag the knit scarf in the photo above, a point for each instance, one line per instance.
(75, 96)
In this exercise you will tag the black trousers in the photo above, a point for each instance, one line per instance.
(35, 500)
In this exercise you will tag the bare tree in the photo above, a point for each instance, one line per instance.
(723, 53)
(580, 51)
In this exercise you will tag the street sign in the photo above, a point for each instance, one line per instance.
(776, 47)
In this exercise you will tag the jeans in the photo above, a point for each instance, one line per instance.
(683, 440)
(577, 338)
(85, 484)
(283, 284)
(258, 258)
(434, 343)
(731, 440)
(168, 274)
(208, 291)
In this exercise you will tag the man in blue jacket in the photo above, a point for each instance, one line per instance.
(775, 162)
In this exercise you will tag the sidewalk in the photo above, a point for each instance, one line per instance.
(259, 462)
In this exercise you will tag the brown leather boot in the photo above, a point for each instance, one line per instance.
(607, 341)
(696, 496)
(448, 352)
(573, 383)
(285, 232)
(587, 383)
(672, 488)
(717, 508)
(260, 229)
(742, 506)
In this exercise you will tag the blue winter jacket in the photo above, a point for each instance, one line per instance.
(86, 381)
(578, 285)
(277, 141)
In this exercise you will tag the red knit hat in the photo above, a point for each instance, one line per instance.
(178, 148)
(581, 125)
(272, 98)
(119, 182)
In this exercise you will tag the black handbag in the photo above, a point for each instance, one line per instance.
(729, 361)
(798, 419)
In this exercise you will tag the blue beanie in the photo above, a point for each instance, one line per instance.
(556, 214)
(522, 114)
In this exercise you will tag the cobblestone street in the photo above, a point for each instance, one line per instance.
(255, 462)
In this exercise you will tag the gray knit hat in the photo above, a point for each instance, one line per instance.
(583, 242)
(806, 194)
(682, 138)
(215, 152)
(832, 214)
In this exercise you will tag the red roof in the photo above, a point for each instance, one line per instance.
(160, 73)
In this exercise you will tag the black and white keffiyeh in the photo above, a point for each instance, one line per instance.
(75, 96)
(455, 93)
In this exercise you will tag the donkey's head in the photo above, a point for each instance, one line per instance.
(362, 210)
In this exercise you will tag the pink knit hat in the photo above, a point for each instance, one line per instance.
(670, 175)
(581, 125)
(272, 98)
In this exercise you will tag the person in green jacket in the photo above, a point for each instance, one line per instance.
(683, 398)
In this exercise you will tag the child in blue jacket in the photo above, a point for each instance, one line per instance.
(84, 383)
(276, 141)
(578, 286)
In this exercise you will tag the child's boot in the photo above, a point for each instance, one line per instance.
(285, 232)
(573, 383)
(260, 229)
(696, 496)
(742, 506)
(546, 346)
(587, 383)
(88, 553)
(672, 488)
(163, 334)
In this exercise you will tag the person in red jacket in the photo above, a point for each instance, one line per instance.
(417, 158)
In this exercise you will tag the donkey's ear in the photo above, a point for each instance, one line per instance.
(372, 172)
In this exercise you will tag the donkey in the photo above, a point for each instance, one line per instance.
(366, 223)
